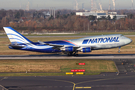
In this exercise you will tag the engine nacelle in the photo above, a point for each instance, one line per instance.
(85, 50)
(69, 49)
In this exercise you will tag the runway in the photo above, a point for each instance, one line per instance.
(98, 82)
(80, 56)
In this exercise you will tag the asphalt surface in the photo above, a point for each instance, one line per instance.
(80, 56)
(122, 80)
(98, 82)
(125, 65)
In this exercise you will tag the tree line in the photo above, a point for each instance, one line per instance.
(65, 20)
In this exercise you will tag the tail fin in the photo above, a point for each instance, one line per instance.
(15, 37)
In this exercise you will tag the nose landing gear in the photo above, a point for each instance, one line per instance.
(119, 49)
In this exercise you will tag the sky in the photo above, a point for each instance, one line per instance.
(63, 4)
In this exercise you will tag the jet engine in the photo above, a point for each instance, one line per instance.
(85, 50)
(69, 49)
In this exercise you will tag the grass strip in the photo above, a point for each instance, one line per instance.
(55, 66)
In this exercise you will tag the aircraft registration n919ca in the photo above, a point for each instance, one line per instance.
(70, 47)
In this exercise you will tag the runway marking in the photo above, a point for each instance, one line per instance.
(3, 88)
(74, 84)
(3, 78)
(82, 87)
(63, 81)
(78, 87)
(86, 87)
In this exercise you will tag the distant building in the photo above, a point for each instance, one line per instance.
(46, 14)
(100, 14)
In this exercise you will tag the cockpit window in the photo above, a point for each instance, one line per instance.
(122, 36)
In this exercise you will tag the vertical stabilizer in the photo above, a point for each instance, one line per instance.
(15, 37)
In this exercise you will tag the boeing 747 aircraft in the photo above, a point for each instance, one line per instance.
(70, 47)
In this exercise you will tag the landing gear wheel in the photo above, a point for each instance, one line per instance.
(76, 54)
(70, 53)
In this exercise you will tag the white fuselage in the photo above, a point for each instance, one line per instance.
(102, 41)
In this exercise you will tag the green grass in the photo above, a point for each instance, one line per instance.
(53, 67)
(91, 66)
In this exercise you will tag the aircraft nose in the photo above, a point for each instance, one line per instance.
(128, 40)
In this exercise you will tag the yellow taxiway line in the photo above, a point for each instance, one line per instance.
(82, 87)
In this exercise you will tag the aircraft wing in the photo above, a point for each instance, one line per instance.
(49, 44)
(59, 47)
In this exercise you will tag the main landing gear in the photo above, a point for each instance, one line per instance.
(72, 53)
